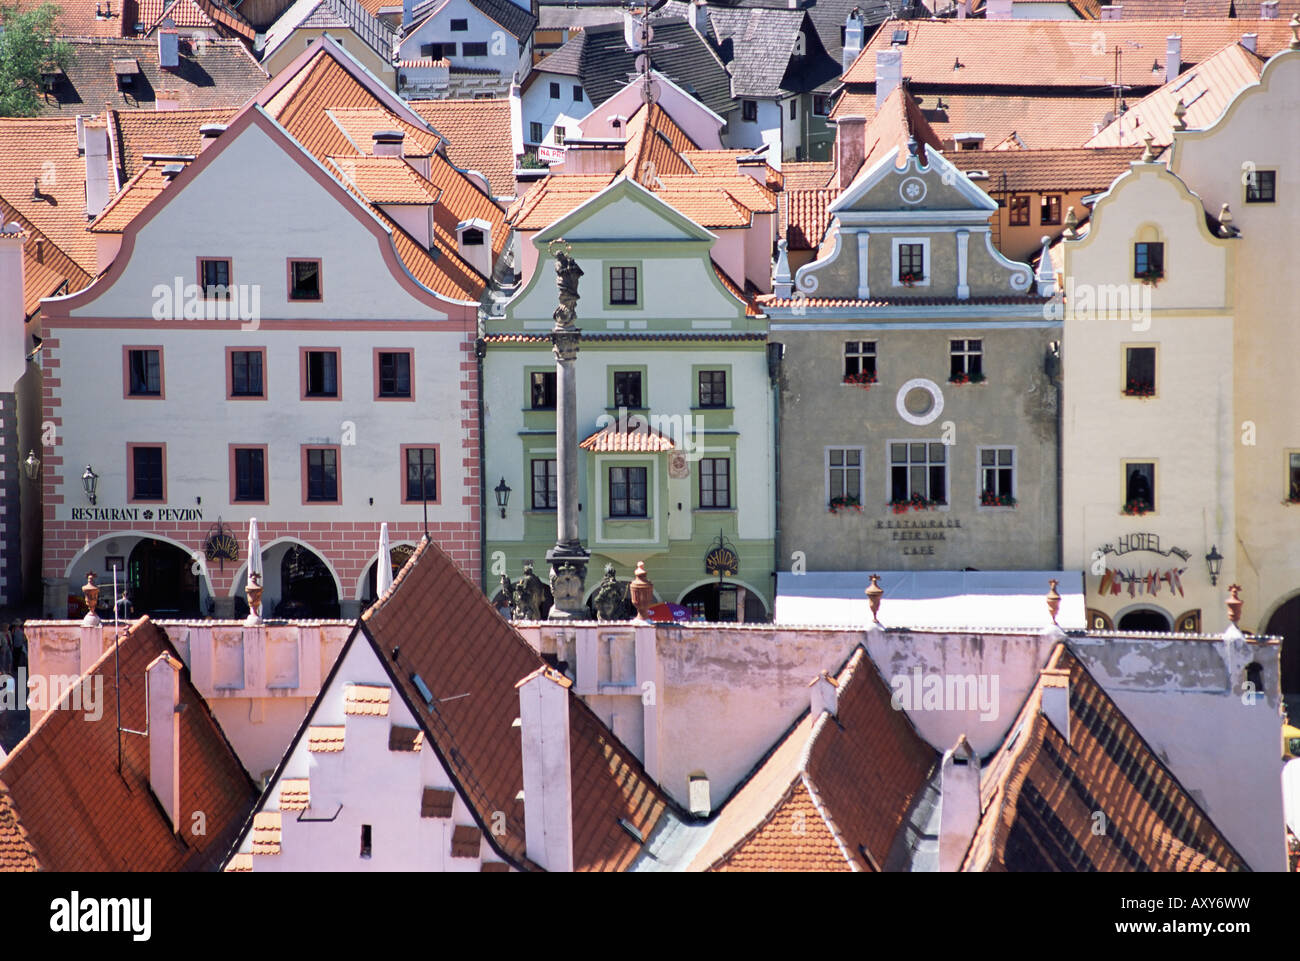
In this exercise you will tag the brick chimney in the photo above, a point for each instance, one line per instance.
(824, 695)
(959, 807)
(850, 148)
(698, 15)
(548, 777)
(474, 243)
(852, 38)
(164, 693)
(1173, 57)
(167, 100)
(97, 174)
(1250, 41)
(889, 73)
(1268, 10)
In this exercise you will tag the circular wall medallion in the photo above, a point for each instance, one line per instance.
(912, 190)
(678, 467)
(914, 406)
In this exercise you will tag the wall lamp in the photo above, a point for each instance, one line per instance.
(502, 492)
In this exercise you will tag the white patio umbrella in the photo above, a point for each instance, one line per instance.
(254, 569)
(384, 576)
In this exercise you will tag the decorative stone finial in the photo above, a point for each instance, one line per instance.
(90, 594)
(1295, 31)
(642, 592)
(1071, 224)
(1234, 603)
(1149, 154)
(874, 593)
(254, 591)
(1225, 222)
(1053, 600)
(1180, 111)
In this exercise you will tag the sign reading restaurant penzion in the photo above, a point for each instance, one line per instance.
(136, 514)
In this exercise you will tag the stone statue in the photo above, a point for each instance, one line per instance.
(566, 589)
(529, 593)
(567, 273)
(505, 597)
(610, 599)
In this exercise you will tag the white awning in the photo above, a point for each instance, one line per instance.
(932, 600)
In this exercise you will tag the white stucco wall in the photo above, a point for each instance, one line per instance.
(752, 134)
(539, 107)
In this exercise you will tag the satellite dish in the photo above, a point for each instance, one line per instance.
(650, 92)
(642, 63)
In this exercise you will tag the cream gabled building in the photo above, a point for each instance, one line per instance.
(1190, 382)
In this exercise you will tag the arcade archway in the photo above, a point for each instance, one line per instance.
(1145, 619)
(1285, 623)
(307, 587)
(727, 601)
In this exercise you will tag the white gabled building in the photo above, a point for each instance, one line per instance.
(463, 48)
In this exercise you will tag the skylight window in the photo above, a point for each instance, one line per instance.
(899, 37)
(422, 688)
(1185, 81)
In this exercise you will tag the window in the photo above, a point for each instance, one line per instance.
(622, 285)
(472, 237)
(560, 134)
(627, 492)
(321, 475)
(794, 109)
(473, 49)
(246, 369)
(420, 462)
(1293, 476)
(304, 280)
(249, 480)
(1049, 210)
(321, 373)
(844, 475)
(436, 51)
(459, 26)
(749, 111)
(713, 388)
(1139, 487)
(555, 91)
(214, 278)
(918, 470)
(542, 389)
(1262, 188)
(544, 485)
(1140, 371)
(1148, 260)
(1018, 210)
(966, 361)
(627, 388)
(821, 105)
(535, 133)
(365, 840)
(911, 262)
(144, 372)
(393, 374)
(997, 476)
(859, 361)
(577, 93)
(147, 472)
(715, 482)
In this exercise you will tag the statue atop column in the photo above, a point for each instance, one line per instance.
(567, 274)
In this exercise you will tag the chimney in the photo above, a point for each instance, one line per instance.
(408, 13)
(698, 15)
(1268, 10)
(12, 311)
(825, 695)
(1173, 57)
(852, 39)
(1250, 41)
(889, 73)
(164, 693)
(997, 10)
(548, 793)
(1112, 12)
(167, 100)
(97, 179)
(208, 134)
(387, 143)
(959, 804)
(516, 118)
(168, 49)
(1056, 700)
(474, 243)
(850, 148)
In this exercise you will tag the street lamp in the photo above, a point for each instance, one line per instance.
(1215, 562)
(32, 466)
(89, 480)
(502, 491)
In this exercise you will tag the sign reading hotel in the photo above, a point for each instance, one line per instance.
(136, 514)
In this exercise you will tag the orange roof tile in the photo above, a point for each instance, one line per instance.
(710, 207)
(361, 123)
(322, 739)
(751, 308)
(64, 802)
(478, 137)
(240, 864)
(42, 153)
(137, 132)
(741, 188)
(195, 13)
(266, 832)
(137, 194)
(385, 180)
(366, 699)
(635, 436)
(47, 270)
(1205, 90)
(1077, 168)
(806, 217)
(654, 145)
(84, 18)
(813, 174)
(295, 794)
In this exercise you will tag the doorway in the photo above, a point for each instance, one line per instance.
(1146, 619)
(161, 581)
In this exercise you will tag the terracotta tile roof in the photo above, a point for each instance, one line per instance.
(240, 864)
(332, 15)
(75, 812)
(16, 851)
(454, 640)
(360, 124)
(637, 438)
(1039, 794)
(295, 794)
(1049, 53)
(137, 194)
(210, 74)
(709, 207)
(44, 151)
(47, 270)
(466, 841)
(405, 739)
(1205, 90)
(805, 217)
(654, 145)
(553, 197)
(1198, 9)
(366, 699)
(211, 14)
(751, 308)
(812, 174)
(322, 739)
(77, 18)
(805, 807)
(744, 190)
(134, 133)
(1078, 168)
(478, 137)
(385, 180)
(266, 832)
(437, 803)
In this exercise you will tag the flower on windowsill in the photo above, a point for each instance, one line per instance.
(1139, 389)
(1137, 507)
(863, 379)
(910, 280)
(1152, 276)
(990, 499)
(917, 502)
(845, 503)
(964, 378)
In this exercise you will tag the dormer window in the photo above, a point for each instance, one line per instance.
(911, 262)
(472, 237)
